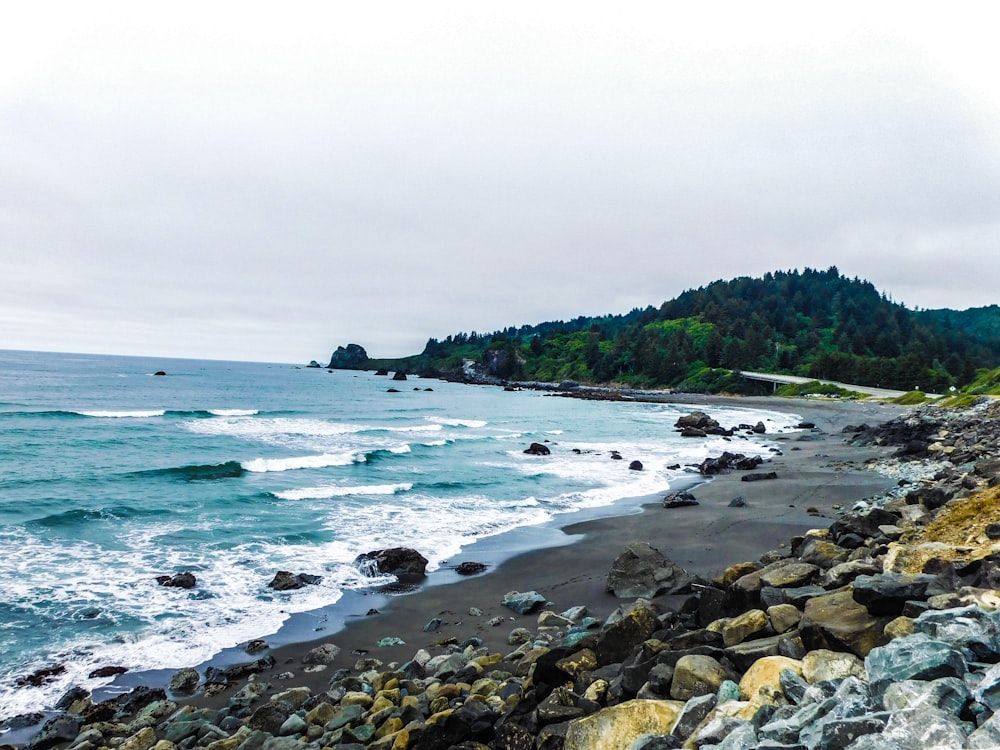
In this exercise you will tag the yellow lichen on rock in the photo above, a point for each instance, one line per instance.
(957, 532)
(618, 727)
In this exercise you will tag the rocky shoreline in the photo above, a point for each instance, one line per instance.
(876, 631)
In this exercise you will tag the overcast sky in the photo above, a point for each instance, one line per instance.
(268, 181)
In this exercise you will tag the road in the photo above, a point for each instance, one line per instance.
(771, 377)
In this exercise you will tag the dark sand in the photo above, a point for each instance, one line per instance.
(817, 470)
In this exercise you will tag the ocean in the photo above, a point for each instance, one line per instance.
(111, 476)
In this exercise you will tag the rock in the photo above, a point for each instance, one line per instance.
(696, 675)
(886, 593)
(270, 716)
(694, 713)
(783, 617)
(408, 565)
(821, 552)
(518, 636)
(144, 739)
(926, 728)
(759, 476)
(791, 574)
(41, 676)
(738, 502)
(947, 693)
(823, 665)
(635, 466)
(836, 621)
(470, 568)
(523, 603)
(697, 419)
(693, 432)
(625, 630)
(743, 626)
(58, 729)
(183, 580)
(728, 462)
(256, 646)
(642, 571)
(325, 653)
(971, 628)
(107, 672)
(159, 373)
(537, 449)
(762, 682)
(400, 375)
(622, 725)
(286, 581)
(743, 655)
(917, 657)
(351, 357)
(843, 573)
(759, 428)
(679, 500)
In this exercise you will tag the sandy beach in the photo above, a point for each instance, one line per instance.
(818, 473)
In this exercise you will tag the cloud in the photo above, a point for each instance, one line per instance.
(235, 181)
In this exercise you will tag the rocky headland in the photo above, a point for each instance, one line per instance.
(870, 624)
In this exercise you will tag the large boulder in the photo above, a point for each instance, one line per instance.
(917, 657)
(696, 675)
(351, 357)
(405, 563)
(886, 593)
(625, 630)
(285, 580)
(835, 621)
(696, 419)
(643, 571)
(622, 725)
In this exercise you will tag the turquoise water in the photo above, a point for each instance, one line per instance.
(111, 476)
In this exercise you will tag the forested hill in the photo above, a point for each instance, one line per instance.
(811, 323)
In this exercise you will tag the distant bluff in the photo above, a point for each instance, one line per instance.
(351, 357)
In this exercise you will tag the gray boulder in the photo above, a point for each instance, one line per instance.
(642, 571)
(916, 657)
(405, 563)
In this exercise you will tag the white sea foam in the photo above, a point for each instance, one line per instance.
(178, 629)
(443, 525)
(412, 428)
(271, 429)
(450, 422)
(135, 414)
(234, 412)
(292, 463)
(322, 493)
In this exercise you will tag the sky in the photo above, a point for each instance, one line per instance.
(265, 182)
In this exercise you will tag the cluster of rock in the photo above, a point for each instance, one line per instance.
(699, 424)
(959, 436)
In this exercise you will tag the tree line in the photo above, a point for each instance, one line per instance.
(813, 323)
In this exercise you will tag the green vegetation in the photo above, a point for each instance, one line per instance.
(961, 401)
(815, 388)
(911, 398)
(816, 324)
(986, 383)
